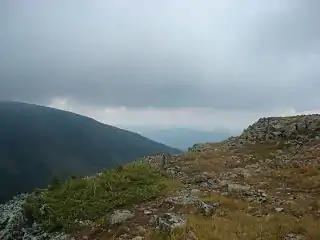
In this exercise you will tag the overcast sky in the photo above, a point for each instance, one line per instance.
(203, 63)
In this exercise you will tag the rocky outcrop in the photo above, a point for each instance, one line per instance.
(14, 226)
(11, 218)
(300, 128)
(159, 161)
(199, 147)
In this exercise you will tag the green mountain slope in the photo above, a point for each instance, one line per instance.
(37, 143)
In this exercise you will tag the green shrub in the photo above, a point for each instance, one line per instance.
(91, 199)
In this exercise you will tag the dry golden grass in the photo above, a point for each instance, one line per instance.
(238, 225)
(305, 178)
(215, 160)
(228, 203)
(233, 221)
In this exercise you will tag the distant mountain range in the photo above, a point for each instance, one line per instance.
(38, 143)
(182, 138)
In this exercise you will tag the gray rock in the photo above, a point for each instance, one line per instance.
(119, 216)
(255, 196)
(141, 230)
(170, 221)
(84, 223)
(280, 128)
(204, 185)
(14, 226)
(147, 212)
(207, 208)
(292, 236)
(237, 188)
(183, 198)
(195, 191)
(137, 238)
(278, 209)
(200, 178)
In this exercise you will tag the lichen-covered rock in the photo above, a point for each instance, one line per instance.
(182, 198)
(137, 238)
(207, 208)
(195, 192)
(300, 128)
(169, 221)
(119, 216)
(11, 218)
(233, 187)
(200, 178)
(14, 226)
(257, 196)
(292, 236)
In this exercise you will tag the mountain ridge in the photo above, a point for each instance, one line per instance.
(38, 143)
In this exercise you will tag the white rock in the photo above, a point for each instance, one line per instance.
(147, 212)
(278, 209)
(119, 216)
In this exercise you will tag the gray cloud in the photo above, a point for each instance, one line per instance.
(219, 54)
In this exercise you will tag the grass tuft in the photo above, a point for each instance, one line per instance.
(241, 226)
(62, 204)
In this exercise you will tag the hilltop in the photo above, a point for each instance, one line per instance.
(39, 143)
(263, 184)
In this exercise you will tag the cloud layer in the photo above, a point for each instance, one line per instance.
(218, 55)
